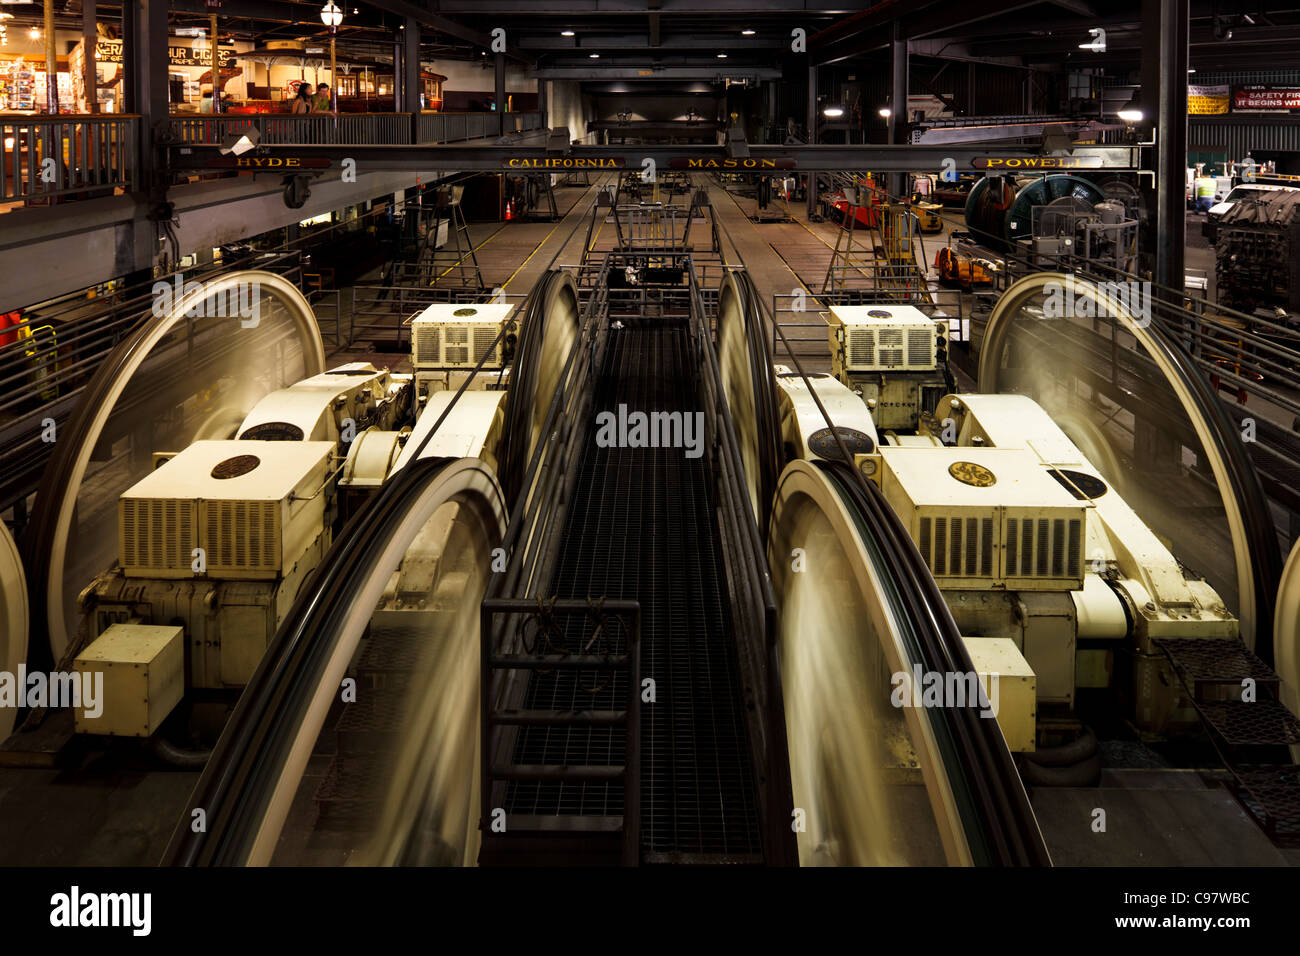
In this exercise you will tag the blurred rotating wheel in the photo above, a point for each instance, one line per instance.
(747, 382)
(1286, 636)
(182, 375)
(550, 331)
(13, 618)
(404, 586)
(1140, 409)
(868, 776)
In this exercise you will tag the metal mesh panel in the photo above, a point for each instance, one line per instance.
(640, 526)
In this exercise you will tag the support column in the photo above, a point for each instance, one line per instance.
(812, 137)
(51, 62)
(1164, 103)
(89, 43)
(216, 65)
(898, 103)
(411, 85)
(399, 96)
(500, 87)
(410, 74)
(144, 55)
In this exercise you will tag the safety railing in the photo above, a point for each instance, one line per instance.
(752, 601)
(800, 314)
(360, 129)
(47, 158)
(381, 314)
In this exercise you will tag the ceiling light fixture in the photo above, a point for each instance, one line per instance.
(594, 56)
(567, 33)
(722, 56)
(747, 32)
(886, 112)
(1132, 112)
(834, 112)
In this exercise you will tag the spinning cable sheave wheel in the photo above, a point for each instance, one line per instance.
(1135, 403)
(182, 376)
(419, 798)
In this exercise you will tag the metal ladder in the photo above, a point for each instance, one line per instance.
(527, 647)
(1215, 673)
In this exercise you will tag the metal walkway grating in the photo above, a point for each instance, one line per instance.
(1214, 673)
(640, 526)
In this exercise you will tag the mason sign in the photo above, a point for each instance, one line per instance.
(729, 162)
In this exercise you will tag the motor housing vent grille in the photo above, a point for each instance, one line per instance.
(242, 535)
(428, 345)
(156, 533)
(862, 348)
(959, 547)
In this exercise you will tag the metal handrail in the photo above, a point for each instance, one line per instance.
(62, 155)
(317, 129)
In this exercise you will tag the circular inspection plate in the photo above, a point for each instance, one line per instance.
(273, 431)
(461, 313)
(234, 467)
(822, 443)
(1083, 486)
(969, 473)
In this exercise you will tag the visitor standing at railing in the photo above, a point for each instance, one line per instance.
(302, 101)
(321, 104)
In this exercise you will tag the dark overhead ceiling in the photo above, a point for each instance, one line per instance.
(682, 39)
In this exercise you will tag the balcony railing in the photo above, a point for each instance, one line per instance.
(346, 129)
(54, 158)
(46, 158)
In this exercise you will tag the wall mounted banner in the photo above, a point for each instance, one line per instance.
(110, 51)
(1270, 99)
(1207, 100)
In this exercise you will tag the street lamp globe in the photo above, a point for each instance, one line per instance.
(331, 15)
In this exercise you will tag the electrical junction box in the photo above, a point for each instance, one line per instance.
(253, 507)
(143, 668)
(987, 517)
(883, 338)
(1011, 688)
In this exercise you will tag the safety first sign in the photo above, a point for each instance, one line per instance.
(1266, 98)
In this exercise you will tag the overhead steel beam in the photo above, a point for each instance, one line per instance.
(640, 41)
(452, 27)
(820, 157)
(695, 7)
(268, 10)
(874, 29)
(1133, 38)
(633, 72)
